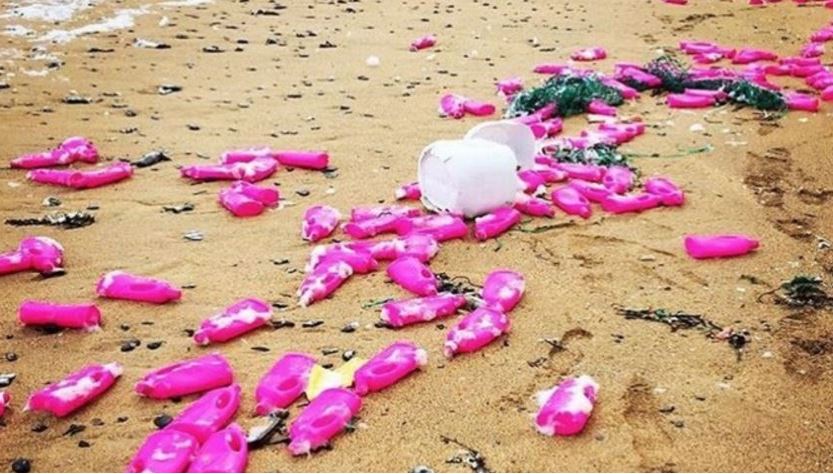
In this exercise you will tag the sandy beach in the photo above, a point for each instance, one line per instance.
(294, 75)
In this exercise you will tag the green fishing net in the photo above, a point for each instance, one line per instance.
(570, 93)
(599, 154)
(671, 71)
(746, 93)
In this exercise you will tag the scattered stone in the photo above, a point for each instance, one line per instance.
(194, 236)
(179, 208)
(151, 158)
(21, 465)
(51, 201)
(6, 379)
(213, 49)
(10, 356)
(75, 99)
(155, 345)
(165, 89)
(260, 349)
(162, 421)
(66, 220)
(350, 327)
(282, 323)
(74, 429)
(347, 355)
(84, 444)
(147, 44)
(128, 346)
(39, 427)
(312, 323)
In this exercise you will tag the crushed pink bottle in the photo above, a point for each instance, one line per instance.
(549, 173)
(421, 246)
(478, 108)
(593, 173)
(452, 105)
(186, 377)
(569, 200)
(372, 227)
(618, 179)
(72, 149)
(245, 156)
(589, 54)
(320, 421)
(413, 275)
(423, 42)
(531, 180)
(495, 223)
(535, 207)
(41, 254)
(208, 414)
(311, 160)
(669, 193)
(325, 279)
(247, 200)
(121, 285)
(478, 329)
(164, 451)
(419, 310)
(750, 55)
(620, 204)
(371, 212)
(565, 409)
(75, 390)
(503, 290)
(594, 192)
(553, 69)
(283, 383)
(71, 316)
(243, 316)
(389, 366)
(82, 179)
(224, 451)
(719, 246)
(601, 107)
(441, 227)
(509, 87)
(252, 171)
(689, 101)
(361, 261)
(319, 222)
(803, 102)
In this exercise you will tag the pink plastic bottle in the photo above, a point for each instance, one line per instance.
(589, 54)
(806, 103)
(620, 204)
(311, 160)
(389, 366)
(359, 259)
(186, 377)
(71, 316)
(827, 94)
(42, 254)
(325, 279)
(412, 275)
(164, 451)
(74, 391)
(533, 206)
(689, 101)
(82, 179)
(719, 246)
(409, 191)
(370, 212)
(625, 91)
(566, 408)
(325, 417)
(245, 156)
(243, 316)
(750, 55)
(452, 105)
(283, 383)
(208, 414)
(419, 310)
(495, 223)
(593, 173)
(372, 227)
(569, 200)
(224, 451)
(601, 107)
(532, 180)
(421, 246)
(509, 87)
(618, 179)
(478, 329)
(239, 204)
(319, 222)
(549, 173)
(478, 108)
(253, 171)
(503, 290)
(554, 69)
(423, 42)
(594, 192)
(441, 227)
(71, 150)
(669, 192)
(5, 401)
(121, 285)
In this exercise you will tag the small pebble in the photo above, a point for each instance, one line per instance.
(162, 421)
(347, 355)
(350, 327)
(155, 345)
(21, 465)
(39, 427)
(11, 356)
(83, 444)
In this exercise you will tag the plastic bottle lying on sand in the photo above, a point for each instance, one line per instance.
(565, 409)
(495, 223)
(72, 149)
(186, 377)
(625, 91)
(750, 55)
(361, 261)
(550, 173)
(319, 222)
(208, 414)
(503, 290)
(618, 179)
(669, 192)
(586, 172)
(413, 275)
(719, 246)
(569, 200)
(421, 246)
(283, 383)
(243, 316)
(5, 401)
(478, 329)
(247, 200)
(70, 316)
(75, 390)
(553, 69)
(121, 285)
(533, 206)
(311, 160)
(419, 310)
(689, 101)
(326, 416)
(367, 228)
(82, 179)
(441, 227)
(423, 42)
(409, 191)
(323, 281)
(594, 192)
(41, 254)
(224, 451)
(370, 212)
(247, 155)
(509, 87)
(620, 203)
(253, 171)
(164, 451)
(457, 106)
(531, 180)
(807, 103)
(589, 54)
(389, 366)
(601, 107)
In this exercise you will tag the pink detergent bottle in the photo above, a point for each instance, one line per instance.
(371, 212)
(74, 391)
(413, 275)
(618, 179)
(668, 192)
(267, 195)
(503, 290)
(569, 200)
(186, 377)
(325, 279)
(535, 207)
(245, 156)
(419, 310)
(587, 172)
(531, 180)
(423, 42)
(719, 246)
(208, 414)
(601, 107)
(509, 87)
(389, 366)
(495, 223)
(252, 171)
(689, 101)
(452, 105)
(72, 149)
(360, 260)
(247, 200)
(325, 417)
(283, 383)
(478, 329)
(164, 451)
(243, 316)
(441, 227)
(565, 409)
(803, 102)
(589, 54)
(311, 160)
(70, 316)
(409, 192)
(594, 192)
(620, 204)
(121, 285)
(421, 246)
(42, 254)
(478, 108)
(319, 222)
(372, 227)
(224, 451)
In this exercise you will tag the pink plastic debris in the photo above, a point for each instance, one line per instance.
(72, 149)
(371, 212)
(586, 172)
(719, 246)
(554, 69)
(244, 199)
(827, 94)
(82, 179)
(509, 87)
(121, 285)
(389, 366)
(669, 192)
(503, 290)
(569, 200)
(71, 316)
(495, 223)
(360, 259)
(812, 50)
(252, 171)
(41, 254)
(676, 2)
(532, 180)
(421, 246)
(247, 155)
(566, 408)
(413, 275)
(5, 401)
(627, 73)
(419, 310)
(283, 383)
(533, 206)
(186, 377)
(478, 108)
(423, 42)
(75, 390)
(319, 222)
(618, 179)
(478, 329)
(409, 191)
(452, 105)
(626, 91)
(243, 316)
(750, 55)
(441, 227)
(594, 192)
(224, 451)
(589, 54)
(798, 101)
(320, 421)
(325, 279)
(372, 227)
(620, 204)
(690, 101)
(164, 451)
(208, 414)
(311, 160)
(601, 107)
(550, 174)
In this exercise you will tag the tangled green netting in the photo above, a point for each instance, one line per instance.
(571, 94)
(599, 154)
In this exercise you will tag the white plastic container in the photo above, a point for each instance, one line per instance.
(516, 136)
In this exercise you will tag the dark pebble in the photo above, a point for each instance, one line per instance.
(667, 409)
(260, 349)
(327, 366)
(97, 422)
(422, 469)
(312, 324)
(21, 465)
(39, 427)
(347, 355)
(124, 327)
(122, 419)
(302, 192)
(283, 323)
(162, 421)
(350, 327)
(74, 429)
(329, 351)
(6, 379)
(11, 356)
(189, 332)
(128, 346)
(83, 444)
(678, 423)
(155, 345)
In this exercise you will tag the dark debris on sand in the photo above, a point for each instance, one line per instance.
(66, 220)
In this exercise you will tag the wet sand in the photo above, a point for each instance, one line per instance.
(768, 411)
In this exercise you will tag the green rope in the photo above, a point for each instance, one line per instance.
(570, 93)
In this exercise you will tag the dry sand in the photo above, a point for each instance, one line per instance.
(755, 414)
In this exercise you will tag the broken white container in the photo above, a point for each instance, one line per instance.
(515, 135)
